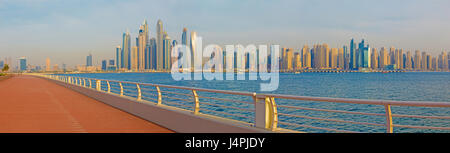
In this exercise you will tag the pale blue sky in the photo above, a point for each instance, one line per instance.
(68, 30)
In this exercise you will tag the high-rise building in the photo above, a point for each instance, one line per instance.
(417, 60)
(374, 59)
(184, 39)
(333, 58)
(383, 58)
(159, 46)
(444, 63)
(283, 59)
(89, 60)
(364, 55)
(392, 56)
(47, 65)
(167, 48)
(22, 64)
(126, 51)
(424, 61)
(307, 59)
(297, 61)
(104, 64)
(429, 62)
(353, 55)
(134, 58)
(304, 51)
(346, 58)
(341, 59)
(118, 57)
(152, 54)
(141, 43)
(408, 61)
(289, 59)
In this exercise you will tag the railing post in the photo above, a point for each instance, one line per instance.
(109, 86)
(139, 97)
(90, 83)
(196, 102)
(79, 81)
(69, 80)
(121, 88)
(98, 85)
(84, 82)
(159, 95)
(266, 114)
(389, 125)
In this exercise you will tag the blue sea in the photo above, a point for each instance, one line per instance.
(405, 86)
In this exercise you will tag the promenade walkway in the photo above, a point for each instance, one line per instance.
(33, 105)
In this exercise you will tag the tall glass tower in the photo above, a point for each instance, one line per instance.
(89, 60)
(159, 46)
(126, 51)
(353, 55)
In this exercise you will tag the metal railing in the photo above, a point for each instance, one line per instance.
(262, 110)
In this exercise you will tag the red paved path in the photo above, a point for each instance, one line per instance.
(31, 104)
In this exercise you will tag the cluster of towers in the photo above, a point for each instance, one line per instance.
(149, 53)
(361, 57)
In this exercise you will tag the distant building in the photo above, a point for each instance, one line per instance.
(22, 64)
(104, 64)
(89, 60)
(47, 65)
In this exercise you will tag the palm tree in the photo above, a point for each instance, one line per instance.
(5, 68)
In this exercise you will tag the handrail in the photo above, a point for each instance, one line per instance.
(265, 109)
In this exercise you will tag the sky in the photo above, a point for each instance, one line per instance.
(66, 31)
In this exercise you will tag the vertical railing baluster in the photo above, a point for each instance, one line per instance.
(98, 85)
(90, 83)
(109, 86)
(159, 95)
(389, 125)
(121, 88)
(196, 103)
(273, 114)
(139, 96)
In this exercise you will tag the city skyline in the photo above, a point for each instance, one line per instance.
(44, 36)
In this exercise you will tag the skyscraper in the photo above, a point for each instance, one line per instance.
(383, 58)
(304, 51)
(134, 58)
(289, 58)
(159, 46)
(22, 64)
(89, 60)
(374, 60)
(152, 54)
(364, 55)
(341, 58)
(417, 61)
(353, 55)
(118, 57)
(408, 62)
(424, 61)
(333, 56)
(184, 37)
(167, 48)
(141, 43)
(126, 51)
(47, 65)
(104, 63)
(346, 58)
(297, 61)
